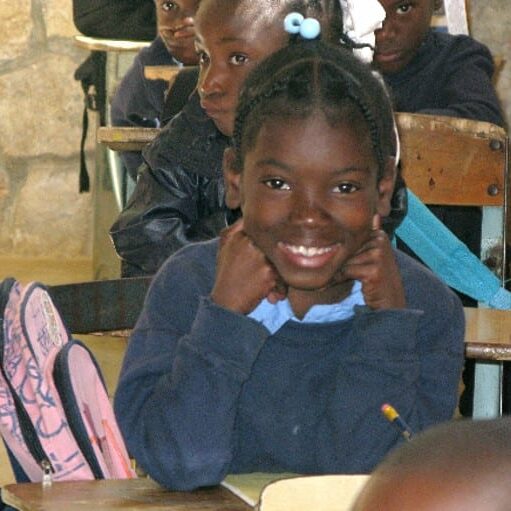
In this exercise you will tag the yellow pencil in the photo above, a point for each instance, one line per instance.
(392, 416)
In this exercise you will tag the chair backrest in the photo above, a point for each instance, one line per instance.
(459, 162)
(101, 306)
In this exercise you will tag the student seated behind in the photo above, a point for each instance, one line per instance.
(458, 466)
(436, 73)
(138, 102)
(273, 348)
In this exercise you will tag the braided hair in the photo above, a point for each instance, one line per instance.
(312, 76)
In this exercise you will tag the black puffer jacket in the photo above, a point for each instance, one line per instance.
(179, 196)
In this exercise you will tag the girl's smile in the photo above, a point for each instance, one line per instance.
(307, 257)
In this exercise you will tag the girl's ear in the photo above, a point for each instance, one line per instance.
(386, 187)
(232, 180)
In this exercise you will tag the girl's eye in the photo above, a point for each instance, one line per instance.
(276, 184)
(403, 9)
(238, 59)
(346, 188)
(168, 6)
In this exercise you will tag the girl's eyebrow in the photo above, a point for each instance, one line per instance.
(272, 162)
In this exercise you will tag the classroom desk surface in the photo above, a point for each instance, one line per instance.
(113, 495)
(126, 139)
(166, 73)
(116, 45)
(488, 334)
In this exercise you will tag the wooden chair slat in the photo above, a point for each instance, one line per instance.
(449, 161)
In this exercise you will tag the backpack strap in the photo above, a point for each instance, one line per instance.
(91, 74)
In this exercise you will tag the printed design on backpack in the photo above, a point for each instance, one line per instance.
(39, 430)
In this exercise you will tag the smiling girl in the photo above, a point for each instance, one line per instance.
(273, 348)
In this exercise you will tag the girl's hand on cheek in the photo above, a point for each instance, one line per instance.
(243, 275)
(374, 265)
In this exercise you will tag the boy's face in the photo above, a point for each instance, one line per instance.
(230, 42)
(308, 192)
(176, 28)
(403, 31)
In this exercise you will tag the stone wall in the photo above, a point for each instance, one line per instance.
(41, 212)
(490, 23)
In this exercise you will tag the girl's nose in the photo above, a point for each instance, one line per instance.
(308, 210)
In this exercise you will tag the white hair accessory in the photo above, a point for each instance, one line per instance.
(361, 19)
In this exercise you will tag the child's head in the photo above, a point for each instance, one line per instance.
(233, 36)
(457, 466)
(403, 31)
(312, 160)
(175, 27)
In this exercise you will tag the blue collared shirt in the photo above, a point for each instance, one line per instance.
(273, 316)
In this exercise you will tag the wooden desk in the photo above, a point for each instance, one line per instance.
(126, 139)
(166, 73)
(488, 334)
(116, 45)
(111, 495)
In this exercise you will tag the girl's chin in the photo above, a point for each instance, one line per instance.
(327, 285)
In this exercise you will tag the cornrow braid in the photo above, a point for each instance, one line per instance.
(310, 76)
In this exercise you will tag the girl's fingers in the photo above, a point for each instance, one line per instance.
(376, 222)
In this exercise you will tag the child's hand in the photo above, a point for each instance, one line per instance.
(375, 267)
(243, 276)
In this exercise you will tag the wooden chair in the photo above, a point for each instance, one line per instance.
(459, 162)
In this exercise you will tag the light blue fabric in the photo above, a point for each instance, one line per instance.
(274, 316)
(450, 258)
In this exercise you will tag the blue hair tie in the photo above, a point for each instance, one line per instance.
(308, 28)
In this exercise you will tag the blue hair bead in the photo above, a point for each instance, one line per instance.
(292, 22)
(310, 28)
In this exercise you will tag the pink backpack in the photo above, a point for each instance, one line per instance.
(55, 415)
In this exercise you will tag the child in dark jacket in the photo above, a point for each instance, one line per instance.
(273, 348)
(138, 102)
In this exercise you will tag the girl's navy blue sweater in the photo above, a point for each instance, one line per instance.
(205, 392)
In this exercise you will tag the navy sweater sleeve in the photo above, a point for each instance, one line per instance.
(204, 391)
(184, 369)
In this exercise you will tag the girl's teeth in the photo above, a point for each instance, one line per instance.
(308, 251)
